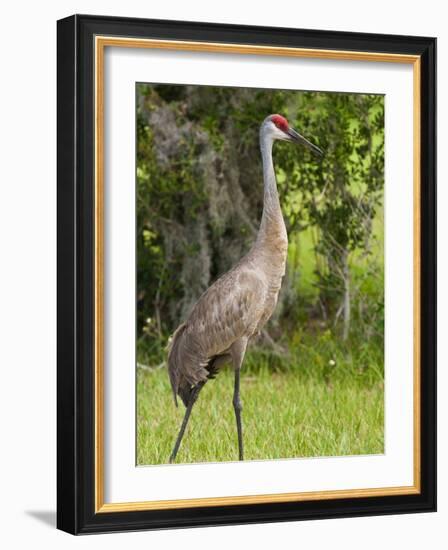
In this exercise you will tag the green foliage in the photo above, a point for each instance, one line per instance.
(199, 201)
(340, 196)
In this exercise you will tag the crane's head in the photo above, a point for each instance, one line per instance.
(277, 127)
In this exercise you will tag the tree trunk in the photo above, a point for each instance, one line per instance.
(346, 309)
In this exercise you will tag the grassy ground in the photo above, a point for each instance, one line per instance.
(286, 414)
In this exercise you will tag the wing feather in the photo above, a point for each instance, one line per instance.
(229, 310)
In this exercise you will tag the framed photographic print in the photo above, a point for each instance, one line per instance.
(246, 274)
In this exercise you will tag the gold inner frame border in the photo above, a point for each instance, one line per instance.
(101, 42)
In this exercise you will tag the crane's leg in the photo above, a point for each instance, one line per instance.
(238, 408)
(237, 352)
(193, 396)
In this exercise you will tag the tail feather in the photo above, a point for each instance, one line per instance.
(187, 364)
(174, 364)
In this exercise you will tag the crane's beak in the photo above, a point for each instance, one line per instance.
(297, 138)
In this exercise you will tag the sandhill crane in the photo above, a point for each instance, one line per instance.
(240, 302)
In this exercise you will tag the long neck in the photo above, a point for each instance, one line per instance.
(272, 227)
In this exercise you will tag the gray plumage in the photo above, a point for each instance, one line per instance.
(240, 302)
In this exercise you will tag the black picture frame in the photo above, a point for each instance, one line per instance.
(76, 272)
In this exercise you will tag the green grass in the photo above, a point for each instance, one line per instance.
(297, 412)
